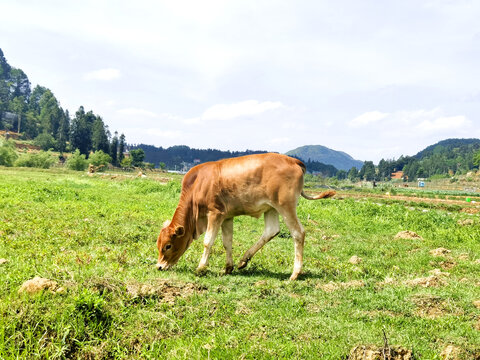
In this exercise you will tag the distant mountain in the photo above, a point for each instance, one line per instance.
(339, 159)
(451, 148)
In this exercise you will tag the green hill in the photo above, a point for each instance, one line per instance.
(451, 148)
(339, 159)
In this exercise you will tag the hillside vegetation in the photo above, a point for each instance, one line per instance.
(92, 240)
(37, 115)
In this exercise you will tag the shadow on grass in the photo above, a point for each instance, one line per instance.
(250, 272)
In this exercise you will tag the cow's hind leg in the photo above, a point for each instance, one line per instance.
(298, 234)
(272, 228)
(212, 231)
(227, 236)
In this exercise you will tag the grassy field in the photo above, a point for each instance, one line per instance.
(95, 237)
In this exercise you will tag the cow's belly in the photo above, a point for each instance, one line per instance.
(254, 209)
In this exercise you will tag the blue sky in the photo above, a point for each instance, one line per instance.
(375, 79)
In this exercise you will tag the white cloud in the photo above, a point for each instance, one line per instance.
(368, 118)
(247, 108)
(280, 141)
(445, 123)
(137, 112)
(103, 74)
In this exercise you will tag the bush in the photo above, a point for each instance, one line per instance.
(126, 163)
(7, 153)
(42, 160)
(45, 141)
(100, 160)
(77, 161)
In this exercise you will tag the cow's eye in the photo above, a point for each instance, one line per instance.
(168, 246)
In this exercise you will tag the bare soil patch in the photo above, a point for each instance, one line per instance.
(163, 290)
(3, 261)
(38, 284)
(333, 286)
(407, 234)
(372, 352)
(452, 352)
(355, 260)
(439, 252)
(429, 306)
(448, 264)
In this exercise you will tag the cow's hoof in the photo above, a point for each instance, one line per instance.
(243, 263)
(201, 271)
(228, 269)
(294, 277)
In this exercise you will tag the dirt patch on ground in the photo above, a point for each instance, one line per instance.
(372, 352)
(3, 261)
(27, 147)
(429, 306)
(439, 252)
(333, 286)
(465, 222)
(38, 284)
(429, 281)
(355, 260)
(452, 352)
(448, 264)
(164, 290)
(407, 234)
(470, 210)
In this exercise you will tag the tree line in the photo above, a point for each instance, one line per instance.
(36, 114)
(446, 158)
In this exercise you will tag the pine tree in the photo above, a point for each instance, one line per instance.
(114, 149)
(99, 136)
(121, 148)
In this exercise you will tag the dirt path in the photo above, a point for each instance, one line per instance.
(463, 203)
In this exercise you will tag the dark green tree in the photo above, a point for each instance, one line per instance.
(367, 172)
(114, 149)
(121, 148)
(99, 136)
(137, 155)
(353, 174)
(80, 134)
(50, 114)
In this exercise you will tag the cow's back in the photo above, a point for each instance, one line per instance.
(248, 185)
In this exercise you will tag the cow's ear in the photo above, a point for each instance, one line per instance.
(179, 231)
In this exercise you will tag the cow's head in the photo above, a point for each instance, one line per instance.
(171, 244)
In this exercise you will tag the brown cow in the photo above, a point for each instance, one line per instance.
(214, 193)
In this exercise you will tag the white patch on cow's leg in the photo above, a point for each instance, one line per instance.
(272, 228)
(210, 235)
(227, 236)
(298, 234)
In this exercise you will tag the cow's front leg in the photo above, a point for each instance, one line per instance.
(210, 235)
(227, 237)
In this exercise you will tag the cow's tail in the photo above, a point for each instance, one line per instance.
(324, 195)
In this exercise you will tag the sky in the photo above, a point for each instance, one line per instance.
(375, 79)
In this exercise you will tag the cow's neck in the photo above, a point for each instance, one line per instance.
(184, 216)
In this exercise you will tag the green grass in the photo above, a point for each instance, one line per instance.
(96, 237)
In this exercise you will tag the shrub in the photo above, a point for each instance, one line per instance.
(100, 160)
(45, 141)
(42, 160)
(7, 153)
(126, 163)
(77, 161)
